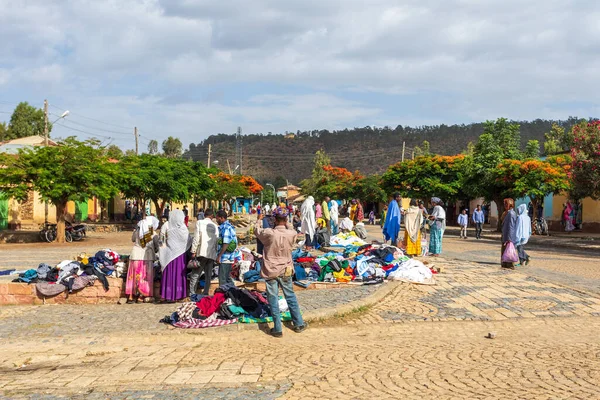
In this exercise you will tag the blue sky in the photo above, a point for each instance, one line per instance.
(190, 68)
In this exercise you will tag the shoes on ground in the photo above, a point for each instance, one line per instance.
(299, 329)
(276, 334)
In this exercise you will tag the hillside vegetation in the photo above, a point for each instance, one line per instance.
(277, 157)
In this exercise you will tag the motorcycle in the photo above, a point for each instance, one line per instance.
(74, 232)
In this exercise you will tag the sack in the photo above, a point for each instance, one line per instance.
(193, 264)
(510, 253)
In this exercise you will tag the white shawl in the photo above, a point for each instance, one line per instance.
(439, 214)
(309, 222)
(177, 239)
(412, 222)
(333, 211)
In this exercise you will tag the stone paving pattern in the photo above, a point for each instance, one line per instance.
(418, 342)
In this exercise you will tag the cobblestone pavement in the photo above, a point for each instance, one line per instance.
(418, 342)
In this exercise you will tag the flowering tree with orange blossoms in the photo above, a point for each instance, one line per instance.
(534, 178)
(336, 182)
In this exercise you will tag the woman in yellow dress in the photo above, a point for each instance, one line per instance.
(413, 218)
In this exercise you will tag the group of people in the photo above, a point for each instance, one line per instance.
(572, 216)
(172, 245)
(516, 229)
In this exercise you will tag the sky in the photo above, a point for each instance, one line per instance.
(192, 68)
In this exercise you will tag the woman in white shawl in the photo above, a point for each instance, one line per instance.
(413, 218)
(523, 233)
(140, 275)
(176, 240)
(437, 225)
(334, 215)
(309, 222)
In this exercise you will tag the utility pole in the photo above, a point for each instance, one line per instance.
(229, 167)
(403, 147)
(413, 154)
(46, 145)
(209, 150)
(135, 133)
(238, 145)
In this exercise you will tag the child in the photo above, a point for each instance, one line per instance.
(463, 221)
(372, 218)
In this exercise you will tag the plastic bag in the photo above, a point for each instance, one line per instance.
(510, 254)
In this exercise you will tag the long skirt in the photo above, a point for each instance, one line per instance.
(140, 278)
(412, 248)
(173, 286)
(435, 239)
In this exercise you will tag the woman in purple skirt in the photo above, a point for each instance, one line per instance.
(176, 241)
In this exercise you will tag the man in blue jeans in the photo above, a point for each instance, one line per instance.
(277, 268)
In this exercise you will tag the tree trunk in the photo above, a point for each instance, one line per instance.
(534, 204)
(61, 212)
(159, 209)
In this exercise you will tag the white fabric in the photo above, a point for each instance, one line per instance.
(363, 268)
(439, 213)
(283, 305)
(346, 239)
(412, 271)
(266, 209)
(152, 221)
(523, 225)
(205, 240)
(412, 222)
(309, 222)
(334, 211)
(346, 224)
(139, 253)
(176, 239)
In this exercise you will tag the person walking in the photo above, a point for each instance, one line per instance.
(166, 213)
(227, 244)
(360, 213)
(372, 217)
(478, 220)
(382, 215)
(463, 222)
(393, 219)
(186, 216)
(509, 229)
(204, 248)
(309, 222)
(437, 226)
(200, 215)
(523, 233)
(140, 275)
(278, 269)
(175, 239)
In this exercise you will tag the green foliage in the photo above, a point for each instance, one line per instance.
(423, 150)
(506, 135)
(113, 151)
(309, 186)
(172, 147)
(532, 149)
(585, 167)
(153, 147)
(3, 131)
(557, 140)
(26, 120)
(369, 189)
(425, 177)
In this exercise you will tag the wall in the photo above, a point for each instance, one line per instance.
(591, 214)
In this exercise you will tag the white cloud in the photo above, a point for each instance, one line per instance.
(475, 59)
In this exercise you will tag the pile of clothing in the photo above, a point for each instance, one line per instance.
(72, 275)
(346, 239)
(365, 264)
(228, 305)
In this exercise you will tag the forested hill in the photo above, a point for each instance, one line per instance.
(370, 150)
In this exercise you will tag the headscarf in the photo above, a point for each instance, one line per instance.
(152, 221)
(333, 211)
(177, 239)
(412, 222)
(281, 212)
(435, 200)
(391, 228)
(507, 203)
(523, 225)
(308, 217)
(439, 214)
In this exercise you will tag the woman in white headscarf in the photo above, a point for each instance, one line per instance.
(309, 222)
(334, 214)
(140, 275)
(523, 233)
(176, 241)
(413, 218)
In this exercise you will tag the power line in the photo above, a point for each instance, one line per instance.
(70, 120)
(91, 119)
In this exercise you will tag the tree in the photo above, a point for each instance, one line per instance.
(26, 120)
(172, 147)
(423, 150)
(71, 171)
(3, 131)
(369, 189)
(425, 177)
(532, 149)
(113, 151)
(506, 135)
(533, 178)
(336, 182)
(153, 147)
(585, 167)
(320, 161)
(557, 140)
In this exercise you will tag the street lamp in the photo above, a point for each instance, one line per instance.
(63, 115)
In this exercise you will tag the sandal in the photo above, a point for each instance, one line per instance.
(129, 301)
